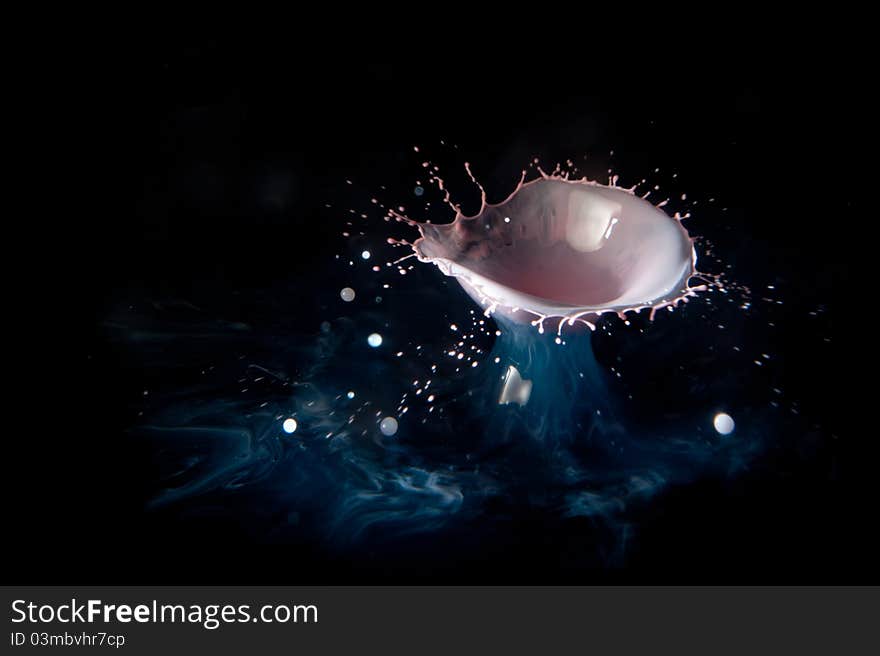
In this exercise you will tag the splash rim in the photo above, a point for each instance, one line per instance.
(565, 314)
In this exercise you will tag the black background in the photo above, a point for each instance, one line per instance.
(194, 129)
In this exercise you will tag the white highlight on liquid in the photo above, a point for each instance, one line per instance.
(723, 423)
(515, 389)
(289, 425)
(589, 220)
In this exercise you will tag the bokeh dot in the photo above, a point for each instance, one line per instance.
(723, 423)
(388, 426)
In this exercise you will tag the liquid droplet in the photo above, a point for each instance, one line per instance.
(723, 423)
(388, 426)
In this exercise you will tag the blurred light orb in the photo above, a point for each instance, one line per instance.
(366, 255)
(723, 423)
(347, 294)
(289, 425)
(388, 426)
(374, 340)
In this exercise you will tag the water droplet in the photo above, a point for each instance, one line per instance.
(388, 426)
(723, 423)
